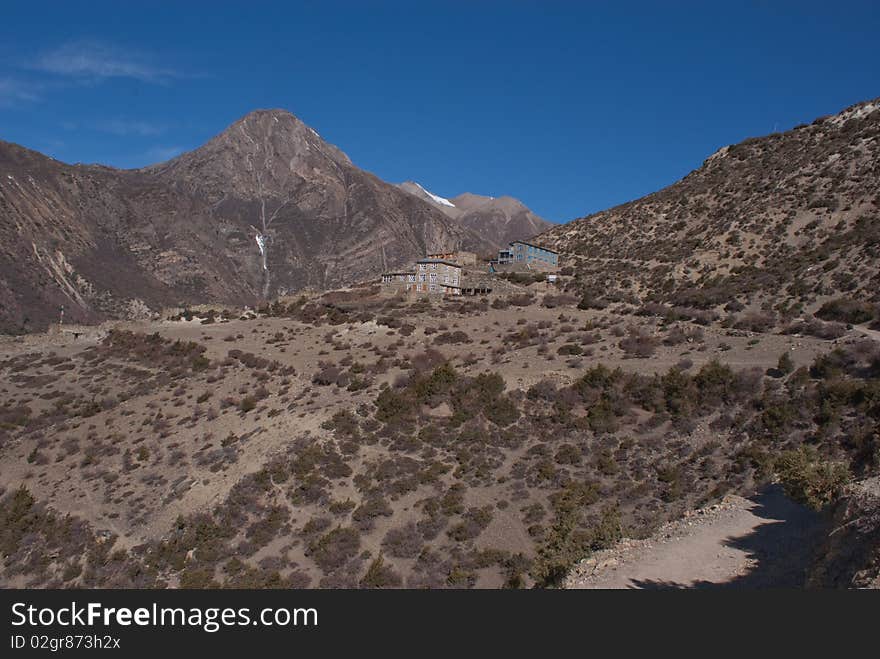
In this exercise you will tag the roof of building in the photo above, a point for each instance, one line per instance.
(403, 272)
(523, 242)
(452, 263)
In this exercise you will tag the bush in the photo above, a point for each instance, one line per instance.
(521, 300)
(755, 321)
(335, 549)
(327, 375)
(808, 479)
(473, 521)
(405, 542)
(380, 575)
(591, 301)
(452, 338)
(785, 365)
(638, 344)
(608, 531)
(372, 507)
(542, 390)
(815, 327)
(845, 310)
(562, 300)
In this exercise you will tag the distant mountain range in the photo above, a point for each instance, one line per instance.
(265, 208)
(497, 221)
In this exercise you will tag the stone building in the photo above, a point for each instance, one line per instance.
(437, 276)
(398, 281)
(432, 276)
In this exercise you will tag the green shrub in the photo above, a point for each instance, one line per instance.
(332, 550)
(845, 310)
(785, 365)
(809, 479)
(608, 531)
(380, 575)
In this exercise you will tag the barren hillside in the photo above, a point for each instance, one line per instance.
(353, 440)
(777, 222)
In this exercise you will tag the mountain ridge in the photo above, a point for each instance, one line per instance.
(775, 223)
(264, 208)
(497, 220)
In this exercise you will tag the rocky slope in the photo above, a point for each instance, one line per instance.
(265, 208)
(850, 555)
(778, 221)
(497, 221)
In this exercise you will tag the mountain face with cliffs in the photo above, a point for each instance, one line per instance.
(265, 208)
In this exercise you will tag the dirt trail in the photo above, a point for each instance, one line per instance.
(762, 542)
(871, 334)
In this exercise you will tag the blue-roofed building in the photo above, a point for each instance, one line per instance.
(520, 252)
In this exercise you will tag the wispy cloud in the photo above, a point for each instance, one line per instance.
(124, 127)
(95, 60)
(14, 92)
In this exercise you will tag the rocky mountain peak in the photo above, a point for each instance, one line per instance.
(266, 152)
(469, 200)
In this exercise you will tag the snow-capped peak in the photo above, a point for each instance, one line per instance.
(440, 200)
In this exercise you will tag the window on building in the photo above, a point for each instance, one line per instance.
(422, 277)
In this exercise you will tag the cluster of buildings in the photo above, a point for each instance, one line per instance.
(445, 273)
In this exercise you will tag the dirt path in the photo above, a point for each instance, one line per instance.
(761, 542)
(871, 334)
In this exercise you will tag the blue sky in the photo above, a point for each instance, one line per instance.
(571, 106)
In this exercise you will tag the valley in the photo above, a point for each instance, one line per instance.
(235, 400)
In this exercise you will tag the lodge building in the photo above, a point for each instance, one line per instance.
(520, 252)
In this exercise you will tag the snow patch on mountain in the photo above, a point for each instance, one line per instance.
(436, 198)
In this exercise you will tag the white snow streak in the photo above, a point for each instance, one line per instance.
(436, 198)
(261, 243)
